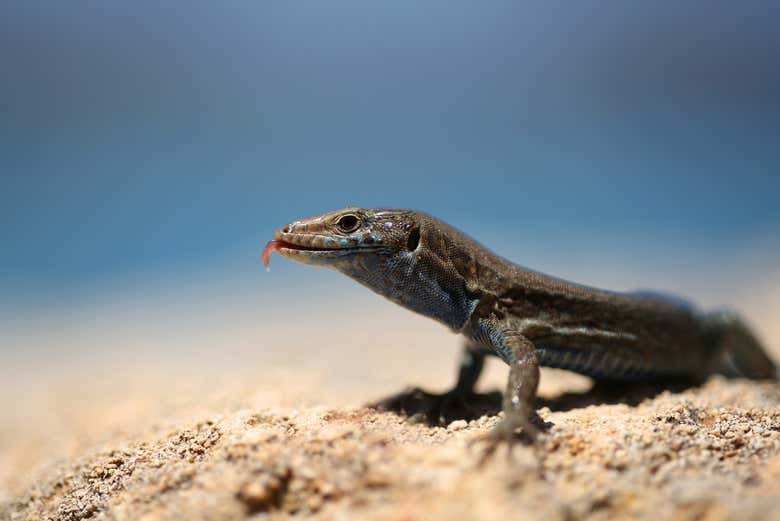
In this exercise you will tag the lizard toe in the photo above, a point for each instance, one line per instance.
(506, 432)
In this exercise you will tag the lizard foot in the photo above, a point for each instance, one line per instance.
(454, 405)
(506, 431)
(437, 409)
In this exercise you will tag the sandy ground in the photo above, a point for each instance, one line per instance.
(271, 434)
(711, 452)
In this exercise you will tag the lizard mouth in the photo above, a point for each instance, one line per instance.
(280, 246)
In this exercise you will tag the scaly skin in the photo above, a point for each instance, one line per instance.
(524, 317)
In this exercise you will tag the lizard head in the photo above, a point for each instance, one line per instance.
(400, 254)
(348, 238)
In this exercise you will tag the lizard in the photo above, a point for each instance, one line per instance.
(526, 318)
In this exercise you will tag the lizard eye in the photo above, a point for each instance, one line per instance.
(348, 223)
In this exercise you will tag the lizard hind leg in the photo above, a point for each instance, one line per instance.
(735, 350)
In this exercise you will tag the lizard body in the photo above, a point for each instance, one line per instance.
(526, 318)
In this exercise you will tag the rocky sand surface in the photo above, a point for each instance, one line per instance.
(710, 452)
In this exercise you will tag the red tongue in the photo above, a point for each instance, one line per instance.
(276, 245)
(271, 246)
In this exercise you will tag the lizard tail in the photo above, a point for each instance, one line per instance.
(735, 350)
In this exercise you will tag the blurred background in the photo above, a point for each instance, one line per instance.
(148, 150)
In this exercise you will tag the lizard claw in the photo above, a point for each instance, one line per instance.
(506, 431)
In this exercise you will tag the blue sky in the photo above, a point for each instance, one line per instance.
(141, 141)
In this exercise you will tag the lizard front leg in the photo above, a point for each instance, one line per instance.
(520, 393)
(472, 360)
(445, 407)
(455, 401)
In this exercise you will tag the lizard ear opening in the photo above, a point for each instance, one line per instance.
(414, 239)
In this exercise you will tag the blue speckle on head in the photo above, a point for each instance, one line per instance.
(343, 243)
(329, 241)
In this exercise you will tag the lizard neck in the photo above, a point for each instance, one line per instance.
(433, 277)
